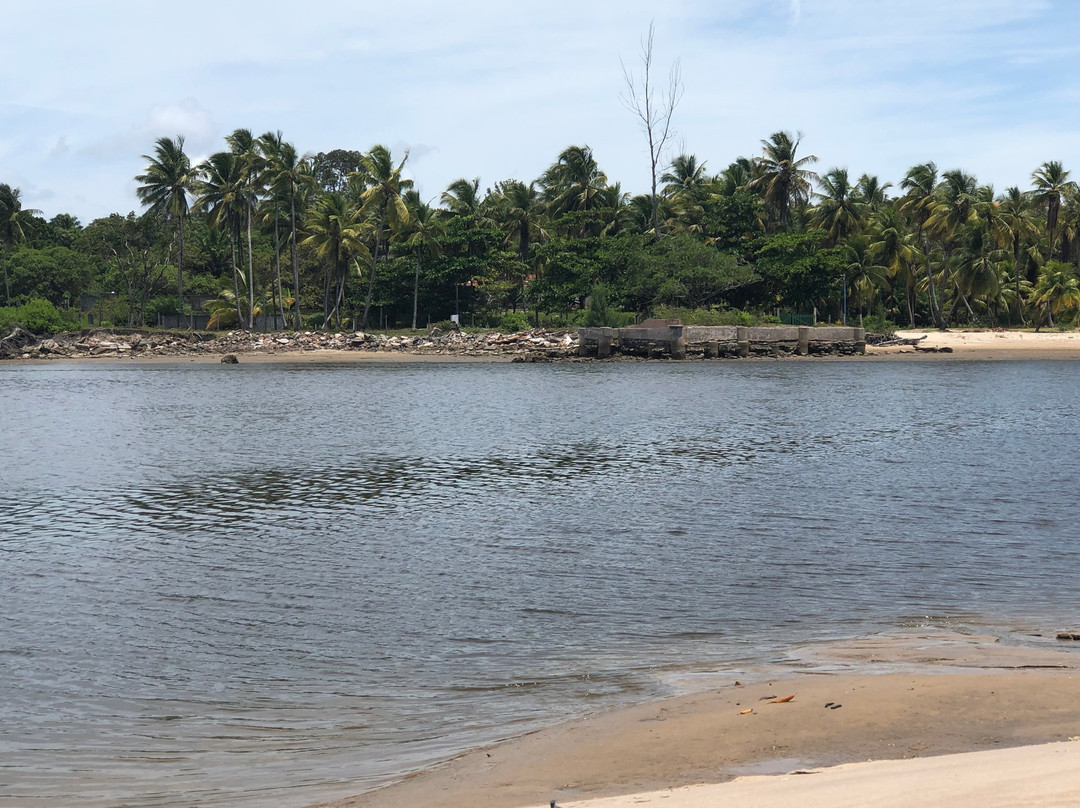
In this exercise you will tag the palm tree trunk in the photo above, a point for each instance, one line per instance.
(277, 269)
(374, 263)
(180, 274)
(295, 263)
(415, 292)
(935, 313)
(235, 279)
(1016, 273)
(251, 271)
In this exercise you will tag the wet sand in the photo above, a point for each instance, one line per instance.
(936, 696)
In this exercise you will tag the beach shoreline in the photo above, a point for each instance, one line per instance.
(951, 345)
(936, 694)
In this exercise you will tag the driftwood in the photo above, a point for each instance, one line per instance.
(901, 341)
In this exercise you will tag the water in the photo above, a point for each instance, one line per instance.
(273, 584)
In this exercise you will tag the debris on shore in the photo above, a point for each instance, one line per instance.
(535, 345)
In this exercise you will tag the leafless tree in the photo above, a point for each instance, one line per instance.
(653, 109)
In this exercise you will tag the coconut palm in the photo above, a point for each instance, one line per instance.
(920, 184)
(243, 144)
(1051, 180)
(574, 182)
(1057, 291)
(291, 182)
(839, 213)
(381, 200)
(784, 182)
(685, 176)
(419, 234)
(165, 187)
(462, 197)
(893, 247)
(870, 191)
(221, 192)
(519, 212)
(863, 273)
(15, 221)
(337, 230)
(955, 209)
(1022, 227)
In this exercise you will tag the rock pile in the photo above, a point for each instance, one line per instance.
(526, 346)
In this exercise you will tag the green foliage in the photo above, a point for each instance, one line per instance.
(714, 316)
(599, 314)
(878, 324)
(37, 316)
(513, 321)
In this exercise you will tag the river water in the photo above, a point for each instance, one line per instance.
(272, 584)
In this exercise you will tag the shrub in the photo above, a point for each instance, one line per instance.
(37, 316)
(599, 314)
(513, 321)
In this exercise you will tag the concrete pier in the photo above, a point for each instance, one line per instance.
(658, 338)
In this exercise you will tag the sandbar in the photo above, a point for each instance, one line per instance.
(935, 696)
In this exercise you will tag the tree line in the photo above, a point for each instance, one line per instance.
(343, 239)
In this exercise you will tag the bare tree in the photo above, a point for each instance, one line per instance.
(653, 110)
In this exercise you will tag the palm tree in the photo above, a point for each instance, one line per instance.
(291, 182)
(15, 220)
(1022, 227)
(863, 273)
(870, 191)
(243, 144)
(382, 200)
(462, 197)
(419, 234)
(1057, 290)
(839, 213)
(270, 145)
(221, 193)
(785, 182)
(519, 212)
(336, 232)
(955, 209)
(685, 176)
(892, 246)
(573, 183)
(920, 184)
(1051, 181)
(165, 187)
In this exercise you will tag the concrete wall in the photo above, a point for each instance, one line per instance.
(653, 338)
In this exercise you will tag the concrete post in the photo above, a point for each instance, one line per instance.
(804, 340)
(603, 344)
(678, 342)
(742, 336)
(860, 340)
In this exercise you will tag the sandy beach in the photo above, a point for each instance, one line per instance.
(904, 736)
(984, 345)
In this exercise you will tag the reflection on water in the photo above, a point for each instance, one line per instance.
(269, 584)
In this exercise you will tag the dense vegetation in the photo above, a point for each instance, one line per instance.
(341, 239)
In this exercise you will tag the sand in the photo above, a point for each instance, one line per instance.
(985, 345)
(937, 695)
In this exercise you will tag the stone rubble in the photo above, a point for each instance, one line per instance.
(526, 346)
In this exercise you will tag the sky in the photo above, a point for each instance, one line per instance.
(496, 90)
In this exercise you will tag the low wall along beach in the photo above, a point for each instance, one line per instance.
(671, 338)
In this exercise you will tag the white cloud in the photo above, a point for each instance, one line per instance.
(497, 90)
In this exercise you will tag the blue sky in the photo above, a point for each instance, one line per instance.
(497, 90)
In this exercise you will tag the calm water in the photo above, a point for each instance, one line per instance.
(265, 585)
